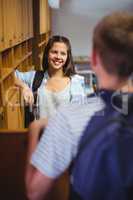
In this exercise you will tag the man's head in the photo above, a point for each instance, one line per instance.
(113, 45)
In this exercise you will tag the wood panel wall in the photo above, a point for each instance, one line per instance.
(21, 47)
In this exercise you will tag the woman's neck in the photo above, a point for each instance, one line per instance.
(56, 73)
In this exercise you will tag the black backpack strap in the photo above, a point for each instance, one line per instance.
(37, 80)
(39, 75)
(30, 115)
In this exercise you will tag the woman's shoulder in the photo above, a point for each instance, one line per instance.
(77, 77)
(27, 73)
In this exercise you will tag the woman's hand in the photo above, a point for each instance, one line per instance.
(28, 95)
(26, 91)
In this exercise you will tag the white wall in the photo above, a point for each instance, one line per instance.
(76, 19)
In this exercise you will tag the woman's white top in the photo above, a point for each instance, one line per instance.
(49, 101)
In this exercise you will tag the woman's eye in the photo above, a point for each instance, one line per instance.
(54, 52)
(63, 54)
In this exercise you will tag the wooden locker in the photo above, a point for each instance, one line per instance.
(7, 58)
(48, 16)
(10, 102)
(2, 117)
(30, 18)
(17, 21)
(1, 25)
(8, 22)
(43, 16)
(25, 28)
(12, 112)
(16, 32)
(0, 64)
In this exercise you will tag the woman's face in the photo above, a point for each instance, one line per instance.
(57, 56)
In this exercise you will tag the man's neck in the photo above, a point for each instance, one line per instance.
(115, 83)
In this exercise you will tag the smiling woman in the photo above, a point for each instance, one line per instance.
(58, 77)
(58, 71)
(60, 85)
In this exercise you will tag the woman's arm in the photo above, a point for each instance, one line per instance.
(26, 91)
(35, 130)
(37, 184)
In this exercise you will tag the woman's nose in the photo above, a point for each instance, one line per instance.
(58, 55)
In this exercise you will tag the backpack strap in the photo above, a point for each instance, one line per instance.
(31, 113)
(39, 75)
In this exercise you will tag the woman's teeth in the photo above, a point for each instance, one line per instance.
(57, 62)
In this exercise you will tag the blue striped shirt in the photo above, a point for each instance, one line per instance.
(59, 143)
